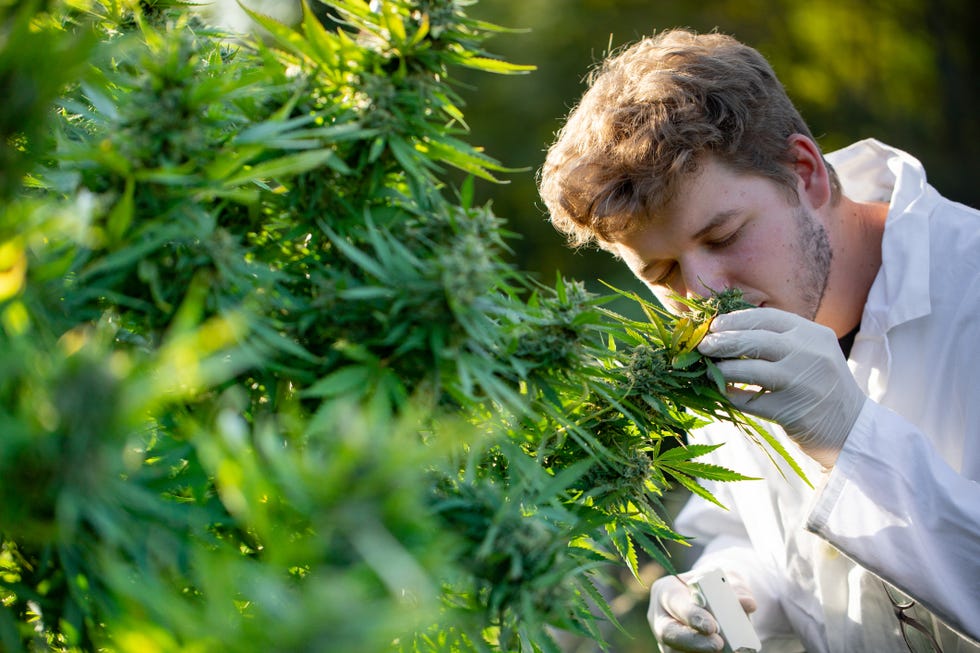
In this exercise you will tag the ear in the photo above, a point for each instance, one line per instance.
(811, 170)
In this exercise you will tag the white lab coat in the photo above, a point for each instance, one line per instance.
(903, 501)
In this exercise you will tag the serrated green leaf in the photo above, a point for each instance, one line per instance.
(696, 488)
(495, 65)
(229, 160)
(343, 381)
(269, 129)
(467, 160)
(323, 44)
(286, 36)
(100, 101)
(281, 342)
(597, 599)
(687, 452)
(289, 166)
(449, 108)
(624, 545)
(706, 471)
(587, 544)
(685, 359)
(560, 482)
(776, 446)
(408, 157)
(356, 255)
(656, 549)
(715, 375)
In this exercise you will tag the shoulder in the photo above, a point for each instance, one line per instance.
(954, 231)
(954, 255)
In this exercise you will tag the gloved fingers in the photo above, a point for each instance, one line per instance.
(747, 601)
(742, 591)
(677, 621)
(766, 333)
(767, 405)
(749, 371)
(675, 636)
(680, 607)
(741, 397)
(670, 596)
(752, 319)
(756, 344)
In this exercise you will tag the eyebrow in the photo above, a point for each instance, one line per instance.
(717, 220)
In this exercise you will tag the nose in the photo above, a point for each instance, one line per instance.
(701, 276)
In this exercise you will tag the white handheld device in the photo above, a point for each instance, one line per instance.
(713, 592)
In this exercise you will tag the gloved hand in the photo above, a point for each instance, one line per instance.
(806, 384)
(679, 623)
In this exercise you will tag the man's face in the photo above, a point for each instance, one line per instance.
(726, 229)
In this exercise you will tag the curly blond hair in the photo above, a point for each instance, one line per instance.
(650, 114)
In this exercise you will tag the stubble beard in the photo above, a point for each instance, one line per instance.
(816, 254)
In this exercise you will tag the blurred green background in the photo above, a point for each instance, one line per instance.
(903, 71)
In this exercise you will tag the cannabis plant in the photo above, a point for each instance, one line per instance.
(269, 380)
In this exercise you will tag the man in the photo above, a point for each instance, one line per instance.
(686, 160)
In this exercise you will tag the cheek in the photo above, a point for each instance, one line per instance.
(747, 263)
(767, 254)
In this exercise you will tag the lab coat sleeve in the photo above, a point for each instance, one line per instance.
(727, 546)
(893, 505)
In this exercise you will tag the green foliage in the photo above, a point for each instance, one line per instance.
(269, 380)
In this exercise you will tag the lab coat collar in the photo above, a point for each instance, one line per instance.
(872, 171)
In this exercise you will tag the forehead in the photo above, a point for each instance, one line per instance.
(711, 185)
(710, 189)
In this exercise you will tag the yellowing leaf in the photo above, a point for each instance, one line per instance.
(682, 333)
(697, 336)
(13, 268)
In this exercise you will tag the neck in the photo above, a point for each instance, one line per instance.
(855, 230)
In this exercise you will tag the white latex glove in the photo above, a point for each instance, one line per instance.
(806, 384)
(680, 624)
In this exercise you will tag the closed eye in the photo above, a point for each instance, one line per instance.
(725, 241)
